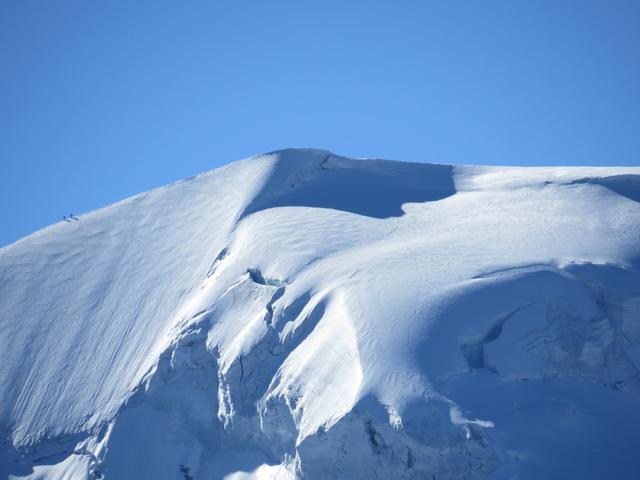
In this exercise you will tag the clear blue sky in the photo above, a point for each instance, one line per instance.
(100, 100)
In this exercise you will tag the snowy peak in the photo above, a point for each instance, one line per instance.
(405, 320)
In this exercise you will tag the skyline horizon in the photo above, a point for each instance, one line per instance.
(102, 102)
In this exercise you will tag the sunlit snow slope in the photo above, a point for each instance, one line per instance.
(305, 315)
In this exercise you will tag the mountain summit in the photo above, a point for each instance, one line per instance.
(304, 315)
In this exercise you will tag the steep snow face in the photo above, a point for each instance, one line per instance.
(301, 314)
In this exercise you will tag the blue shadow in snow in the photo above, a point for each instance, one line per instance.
(374, 188)
(626, 185)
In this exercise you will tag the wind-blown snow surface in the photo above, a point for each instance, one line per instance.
(301, 314)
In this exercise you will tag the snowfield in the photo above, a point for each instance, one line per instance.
(305, 315)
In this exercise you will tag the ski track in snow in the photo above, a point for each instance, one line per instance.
(300, 314)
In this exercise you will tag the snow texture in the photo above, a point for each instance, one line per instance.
(305, 315)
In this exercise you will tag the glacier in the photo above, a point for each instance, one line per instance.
(304, 315)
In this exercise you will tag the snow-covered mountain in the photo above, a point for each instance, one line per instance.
(305, 315)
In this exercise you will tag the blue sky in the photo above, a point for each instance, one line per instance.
(102, 100)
